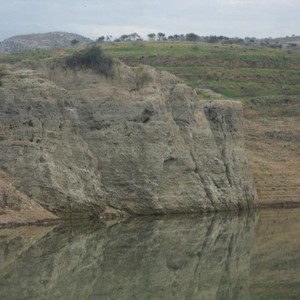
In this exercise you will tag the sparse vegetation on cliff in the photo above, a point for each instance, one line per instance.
(232, 70)
(2, 74)
(91, 57)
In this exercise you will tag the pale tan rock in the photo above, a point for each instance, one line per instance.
(139, 142)
(17, 209)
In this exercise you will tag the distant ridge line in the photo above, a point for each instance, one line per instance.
(41, 41)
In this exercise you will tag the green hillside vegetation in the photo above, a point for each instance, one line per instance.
(232, 70)
(28, 56)
(258, 76)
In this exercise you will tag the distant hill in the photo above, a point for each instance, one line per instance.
(292, 42)
(41, 41)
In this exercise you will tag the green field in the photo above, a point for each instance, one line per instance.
(255, 75)
(232, 70)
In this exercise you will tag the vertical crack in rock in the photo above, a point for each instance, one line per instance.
(216, 121)
(202, 180)
(224, 159)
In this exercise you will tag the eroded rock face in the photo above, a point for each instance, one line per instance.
(139, 142)
(16, 208)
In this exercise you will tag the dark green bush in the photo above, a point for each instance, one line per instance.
(2, 74)
(74, 42)
(91, 58)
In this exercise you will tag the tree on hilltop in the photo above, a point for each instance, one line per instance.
(134, 36)
(192, 37)
(151, 36)
(101, 39)
(74, 42)
(124, 37)
(161, 36)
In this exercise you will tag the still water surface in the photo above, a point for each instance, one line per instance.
(217, 256)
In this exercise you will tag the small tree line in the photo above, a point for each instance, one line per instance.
(193, 37)
(160, 36)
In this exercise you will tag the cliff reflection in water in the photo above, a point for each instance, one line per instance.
(180, 257)
(222, 256)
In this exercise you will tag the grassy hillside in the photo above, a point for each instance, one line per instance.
(232, 70)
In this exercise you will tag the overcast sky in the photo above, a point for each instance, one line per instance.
(94, 18)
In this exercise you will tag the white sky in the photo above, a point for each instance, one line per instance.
(94, 18)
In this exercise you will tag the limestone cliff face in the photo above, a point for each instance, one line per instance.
(17, 209)
(139, 142)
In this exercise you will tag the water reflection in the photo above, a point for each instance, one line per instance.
(190, 257)
(222, 256)
(275, 256)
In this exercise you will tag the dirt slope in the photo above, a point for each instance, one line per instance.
(273, 150)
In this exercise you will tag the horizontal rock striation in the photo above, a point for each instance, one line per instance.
(134, 142)
(17, 209)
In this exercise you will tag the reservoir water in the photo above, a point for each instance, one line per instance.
(216, 256)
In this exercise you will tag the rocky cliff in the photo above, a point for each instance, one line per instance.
(16, 208)
(135, 142)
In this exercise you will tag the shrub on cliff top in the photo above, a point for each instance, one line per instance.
(3, 73)
(92, 58)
